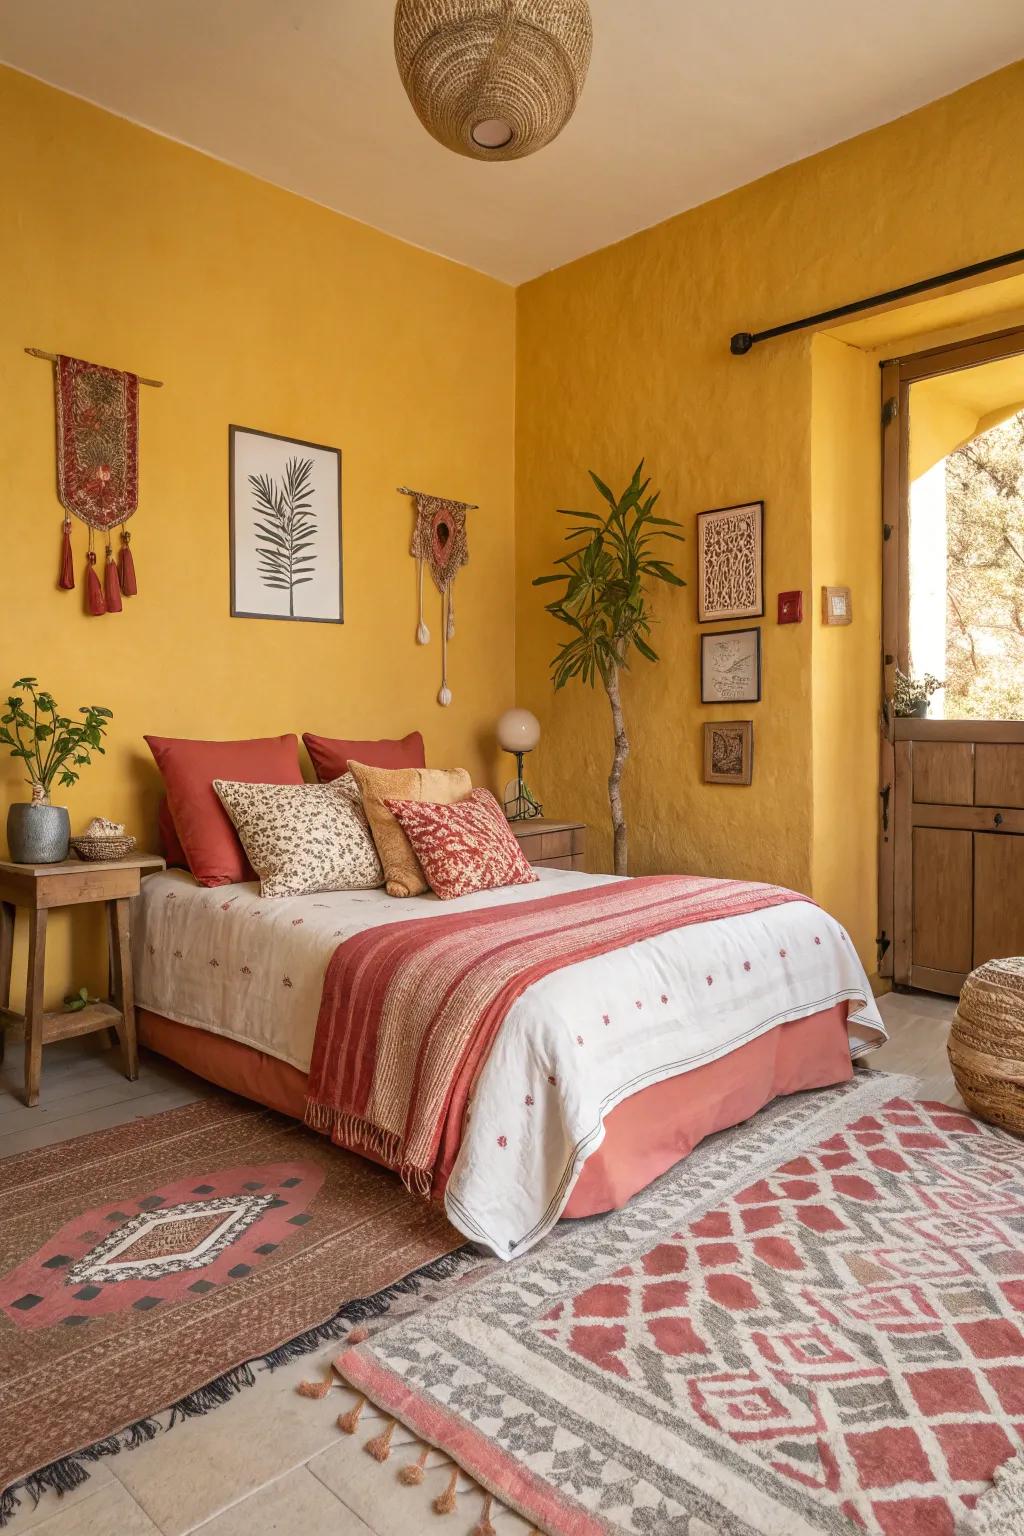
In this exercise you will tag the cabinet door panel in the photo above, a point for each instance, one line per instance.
(1000, 775)
(999, 896)
(944, 772)
(943, 936)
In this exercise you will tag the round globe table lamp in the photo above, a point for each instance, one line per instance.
(519, 732)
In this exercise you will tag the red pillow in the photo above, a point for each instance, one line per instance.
(170, 845)
(464, 847)
(330, 758)
(208, 839)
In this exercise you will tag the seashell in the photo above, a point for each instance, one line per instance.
(422, 634)
(444, 696)
(101, 827)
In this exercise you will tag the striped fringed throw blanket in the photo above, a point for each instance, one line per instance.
(409, 1010)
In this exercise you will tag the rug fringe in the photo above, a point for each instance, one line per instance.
(1000, 1510)
(69, 1472)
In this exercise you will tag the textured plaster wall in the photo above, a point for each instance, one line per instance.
(625, 353)
(255, 307)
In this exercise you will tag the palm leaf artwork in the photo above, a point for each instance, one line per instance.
(285, 528)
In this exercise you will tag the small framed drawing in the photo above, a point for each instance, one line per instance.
(836, 605)
(284, 510)
(728, 751)
(730, 667)
(730, 563)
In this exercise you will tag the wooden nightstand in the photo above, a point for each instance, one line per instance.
(74, 883)
(552, 844)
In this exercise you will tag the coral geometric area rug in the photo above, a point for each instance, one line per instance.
(141, 1263)
(830, 1340)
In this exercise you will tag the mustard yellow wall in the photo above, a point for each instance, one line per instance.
(624, 353)
(258, 308)
(846, 551)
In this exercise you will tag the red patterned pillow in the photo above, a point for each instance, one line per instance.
(464, 847)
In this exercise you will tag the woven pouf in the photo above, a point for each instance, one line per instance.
(986, 1043)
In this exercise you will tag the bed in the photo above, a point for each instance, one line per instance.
(602, 1075)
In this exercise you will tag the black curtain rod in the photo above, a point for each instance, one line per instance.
(742, 342)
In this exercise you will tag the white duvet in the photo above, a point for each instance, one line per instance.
(572, 1047)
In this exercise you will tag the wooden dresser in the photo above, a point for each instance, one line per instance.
(551, 844)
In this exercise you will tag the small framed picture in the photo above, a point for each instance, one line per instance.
(730, 563)
(730, 667)
(284, 510)
(836, 605)
(728, 751)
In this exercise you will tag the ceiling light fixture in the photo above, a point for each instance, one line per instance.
(493, 79)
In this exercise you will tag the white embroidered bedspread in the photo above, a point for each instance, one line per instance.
(252, 968)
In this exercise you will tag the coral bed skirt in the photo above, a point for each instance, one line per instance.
(645, 1135)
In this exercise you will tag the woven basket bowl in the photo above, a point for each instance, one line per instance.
(92, 848)
(986, 1043)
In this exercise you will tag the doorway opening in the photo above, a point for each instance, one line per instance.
(952, 865)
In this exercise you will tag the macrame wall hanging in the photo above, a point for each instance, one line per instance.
(97, 471)
(439, 541)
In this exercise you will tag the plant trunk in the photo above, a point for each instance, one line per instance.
(611, 683)
(40, 795)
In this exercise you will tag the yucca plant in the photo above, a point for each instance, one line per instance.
(608, 575)
(285, 528)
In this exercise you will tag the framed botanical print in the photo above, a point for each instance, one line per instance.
(728, 752)
(730, 563)
(730, 666)
(284, 509)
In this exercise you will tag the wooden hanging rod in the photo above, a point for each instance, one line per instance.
(51, 357)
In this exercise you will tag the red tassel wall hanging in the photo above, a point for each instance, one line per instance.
(126, 566)
(66, 579)
(111, 584)
(97, 469)
(94, 601)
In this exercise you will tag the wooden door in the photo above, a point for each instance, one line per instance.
(958, 833)
(951, 860)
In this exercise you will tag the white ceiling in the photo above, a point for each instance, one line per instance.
(686, 99)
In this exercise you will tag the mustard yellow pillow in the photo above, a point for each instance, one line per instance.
(403, 874)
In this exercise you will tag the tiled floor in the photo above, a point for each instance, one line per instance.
(270, 1461)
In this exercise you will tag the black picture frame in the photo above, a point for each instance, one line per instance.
(708, 637)
(236, 611)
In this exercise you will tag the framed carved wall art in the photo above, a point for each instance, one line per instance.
(728, 752)
(730, 563)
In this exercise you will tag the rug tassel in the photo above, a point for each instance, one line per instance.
(126, 567)
(93, 591)
(380, 1446)
(66, 580)
(484, 1526)
(111, 584)
(315, 1389)
(445, 1502)
(348, 1421)
(413, 1473)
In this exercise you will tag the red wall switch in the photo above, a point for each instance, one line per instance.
(791, 607)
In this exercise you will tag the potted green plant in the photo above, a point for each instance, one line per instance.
(608, 575)
(52, 746)
(912, 695)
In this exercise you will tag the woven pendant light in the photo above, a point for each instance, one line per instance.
(493, 79)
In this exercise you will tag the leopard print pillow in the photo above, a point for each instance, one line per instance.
(301, 838)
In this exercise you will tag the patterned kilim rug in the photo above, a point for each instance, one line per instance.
(138, 1265)
(812, 1325)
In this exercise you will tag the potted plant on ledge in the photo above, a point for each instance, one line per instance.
(912, 695)
(51, 746)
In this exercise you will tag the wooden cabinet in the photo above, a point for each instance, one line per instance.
(958, 856)
(551, 844)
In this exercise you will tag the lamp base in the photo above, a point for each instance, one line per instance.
(520, 804)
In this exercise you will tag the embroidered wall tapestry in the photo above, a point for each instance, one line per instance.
(440, 542)
(98, 472)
